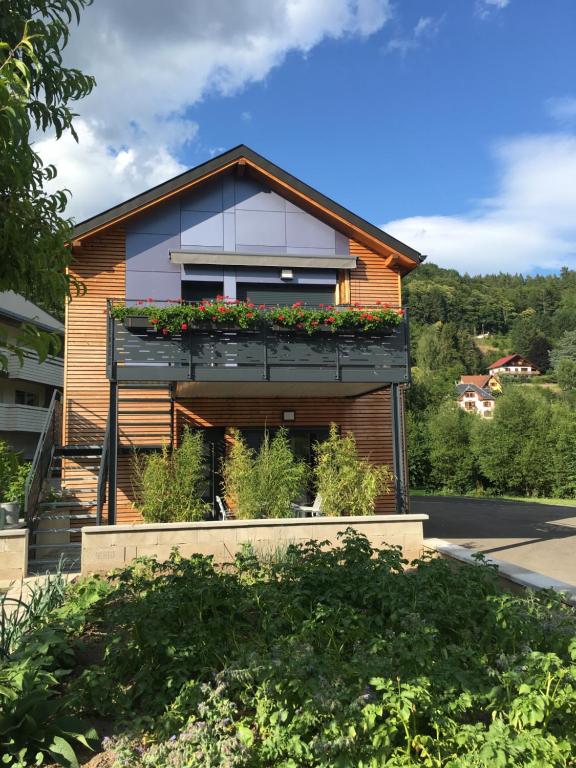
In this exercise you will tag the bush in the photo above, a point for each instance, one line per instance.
(263, 483)
(170, 485)
(8, 468)
(17, 484)
(347, 484)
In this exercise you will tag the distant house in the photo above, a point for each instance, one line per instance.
(483, 380)
(26, 389)
(473, 398)
(513, 365)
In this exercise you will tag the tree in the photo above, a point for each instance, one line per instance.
(452, 461)
(565, 371)
(35, 92)
(529, 340)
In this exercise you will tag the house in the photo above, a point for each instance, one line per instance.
(27, 386)
(484, 381)
(476, 399)
(238, 227)
(513, 365)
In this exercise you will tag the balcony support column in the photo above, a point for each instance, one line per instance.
(398, 449)
(113, 453)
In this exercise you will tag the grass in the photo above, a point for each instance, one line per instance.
(527, 499)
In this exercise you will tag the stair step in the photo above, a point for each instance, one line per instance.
(86, 516)
(66, 504)
(78, 450)
(55, 546)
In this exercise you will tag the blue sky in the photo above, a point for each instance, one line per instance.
(452, 123)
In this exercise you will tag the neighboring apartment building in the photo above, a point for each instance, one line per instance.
(26, 389)
(475, 399)
(241, 227)
(513, 365)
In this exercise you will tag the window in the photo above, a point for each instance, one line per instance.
(197, 290)
(24, 398)
(266, 293)
(487, 403)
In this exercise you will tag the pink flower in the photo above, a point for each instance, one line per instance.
(149, 299)
(251, 305)
(184, 326)
(314, 322)
(139, 302)
(165, 331)
(262, 306)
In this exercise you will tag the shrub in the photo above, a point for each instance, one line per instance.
(17, 483)
(8, 467)
(263, 483)
(169, 485)
(347, 484)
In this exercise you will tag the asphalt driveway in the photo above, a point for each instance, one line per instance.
(539, 537)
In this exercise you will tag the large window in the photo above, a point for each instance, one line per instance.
(265, 293)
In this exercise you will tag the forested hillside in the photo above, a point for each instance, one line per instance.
(460, 324)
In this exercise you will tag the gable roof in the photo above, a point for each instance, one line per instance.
(483, 393)
(15, 307)
(242, 158)
(481, 380)
(508, 359)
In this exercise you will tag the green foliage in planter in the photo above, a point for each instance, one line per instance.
(15, 491)
(347, 484)
(263, 483)
(178, 318)
(169, 485)
(8, 468)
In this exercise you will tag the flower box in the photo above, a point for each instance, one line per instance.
(137, 322)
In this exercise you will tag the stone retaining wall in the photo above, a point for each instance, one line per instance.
(108, 547)
(13, 554)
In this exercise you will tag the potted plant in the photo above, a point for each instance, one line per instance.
(14, 494)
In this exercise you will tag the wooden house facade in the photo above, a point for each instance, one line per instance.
(236, 226)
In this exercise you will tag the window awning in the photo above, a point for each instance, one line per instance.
(235, 259)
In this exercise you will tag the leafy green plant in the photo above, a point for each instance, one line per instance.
(170, 485)
(348, 484)
(15, 491)
(8, 468)
(263, 483)
(34, 721)
(180, 318)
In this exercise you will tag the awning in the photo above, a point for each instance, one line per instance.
(279, 260)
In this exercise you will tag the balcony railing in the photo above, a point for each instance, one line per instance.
(22, 418)
(257, 355)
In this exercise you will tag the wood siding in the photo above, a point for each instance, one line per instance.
(372, 281)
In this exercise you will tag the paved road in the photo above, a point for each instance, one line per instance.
(539, 537)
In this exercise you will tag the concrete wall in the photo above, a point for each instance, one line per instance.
(229, 214)
(108, 547)
(13, 554)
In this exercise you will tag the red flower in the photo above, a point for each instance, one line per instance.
(314, 322)
(378, 303)
(219, 298)
(320, 305)
(251, 305)
(370, 317)
(149, 299)
(249, 314)
(202, 308)
(139, 302)
(299, 325)
(262, 306)
(281, 318)
(400, 312)
(330, 319)
(222, 309)
(184, 326)
(329, 307)
(165, 331)
(154, 321)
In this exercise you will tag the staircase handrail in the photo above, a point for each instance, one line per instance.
(103, 474)
(43, 455)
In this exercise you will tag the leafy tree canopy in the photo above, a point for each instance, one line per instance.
(36, 91)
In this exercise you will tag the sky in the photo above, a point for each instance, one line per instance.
(449, 123)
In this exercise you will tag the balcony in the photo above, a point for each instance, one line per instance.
(259, 362)
(50, 371)
(22, 418)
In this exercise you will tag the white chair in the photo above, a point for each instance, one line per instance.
(314, 511)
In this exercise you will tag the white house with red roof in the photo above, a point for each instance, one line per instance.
(513, 365)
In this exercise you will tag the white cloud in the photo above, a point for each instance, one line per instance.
(153, 60)
(485, 7)
(529, 224)
(426, 28)
(563, 110)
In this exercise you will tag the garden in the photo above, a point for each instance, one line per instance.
(305, 656)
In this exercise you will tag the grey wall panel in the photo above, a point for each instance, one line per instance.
(252, 196)
(150, 252)
(155, 285)
(310, 251)
(210, 274)
(342, 244)
(261, 228)
(208, 198)
(228, 193)
(200, 228)
(229, 231)
(260, 249)
(304, 231)
(163, 219)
